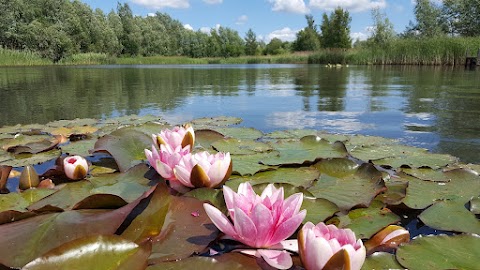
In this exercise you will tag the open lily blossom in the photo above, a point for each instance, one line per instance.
(165, 160)
(318, 244)
(177, 136)
(260, 221)
(204, 169)
(75, 167)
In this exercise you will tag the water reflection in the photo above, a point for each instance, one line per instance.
(436, 108)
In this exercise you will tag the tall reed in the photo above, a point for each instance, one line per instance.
(21, 58)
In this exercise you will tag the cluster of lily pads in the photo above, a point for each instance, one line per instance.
(124, 215)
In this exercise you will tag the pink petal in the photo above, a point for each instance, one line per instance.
(292, 204)
(288, 227)
(245, 228)
(219, 219)
(183, 175)
(263, 220)
(164, 170)
(290, 245)
(279, 259)
(229, 196)
(217, 172)
(317, 251)
(357, 257)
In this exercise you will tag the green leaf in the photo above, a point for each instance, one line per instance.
(205, 137)
(241, 147)
(94, 252)
(381, 260)
(241, 133)
(81, 148)
(221, 121)
(450, 216)
(250, 164)
(22, 160)
(214, 196)
(440, 252)
(231, 261)
(127, 147)
(356, 189)
(318, 210)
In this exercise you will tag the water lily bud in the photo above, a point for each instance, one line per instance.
(28, 178)
(328, 247)
(47, 183)
(75, 167)
(387, 239)
(178, 136)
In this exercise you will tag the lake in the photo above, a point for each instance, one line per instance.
(437, 108)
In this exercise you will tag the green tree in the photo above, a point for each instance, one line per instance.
(383, 32)
(274, 47)
(308, 38)
(251, 44)
(429, 20)
(336, 29)
(462, 17)
(131, 37)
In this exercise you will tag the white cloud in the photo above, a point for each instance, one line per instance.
(242, 20)
(188, 27)
(213, 2)
(159, 4)
(151, 14)
(363, 35)
(294, 6)
(350, 5)
(206, 29)
(285, 34)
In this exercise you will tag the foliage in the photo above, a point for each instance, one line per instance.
(251, 44)
(308, 38)
(383, 32)
(462, 17)
(335, 30)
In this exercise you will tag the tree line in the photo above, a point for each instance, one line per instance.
(60, 28)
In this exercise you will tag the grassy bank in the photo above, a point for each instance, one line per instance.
(434, 51)
(21, 58)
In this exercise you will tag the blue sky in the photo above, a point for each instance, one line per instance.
(267, 18)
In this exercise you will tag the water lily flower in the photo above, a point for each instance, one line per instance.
(75, 167)
(165, 161)
(319, 244)
(260, 221)
(178, 136)
(203, 169)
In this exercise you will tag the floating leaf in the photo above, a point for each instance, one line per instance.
(231, 261)
(365, 222)
(241, 147)
(72, 123)
(440, 252)
(29, 159)
(214, 196)
(94, 252)
(74, 130)
(81, 148)
(23, 140)
(427, 174)
(299, 177)
(463, 185)
(126, 146)
(221, 121)
(291, 134)
(308, 149)
(241, 133)
(250, 164)
(205, 137)
(395, 193)
(318, 210)
(357, 189)
(475, 205)
(337, 167)
(381, 260)
(66, 197)
(450, 216)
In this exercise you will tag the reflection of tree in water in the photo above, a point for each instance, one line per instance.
(44, 94)
(332, 86)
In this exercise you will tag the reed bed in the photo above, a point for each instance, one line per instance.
(88, 59)
(21, 58)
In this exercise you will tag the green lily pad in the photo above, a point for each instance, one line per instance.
(356, 189)
(365, 222)
(318, 210)
(250, 164)
(127, 147)
(357, 142)
(427, 174)
(291, 134)
(395, 193)
(220, 121)
(337, 167)
(66, 197)
(81, 148)
(417, 160)
(133, 120)
(450, 216)
(241, 133)
(381, 260)
(23, 140)
(440, 252)
(68, 131)
(205, 137)
(299, 177)
(110, 252)
(308, 149)
(73, 123)
(13, 201)
(475, 205)
(231, 261)
(463, 185)
(241, 147)
(214, 196)
(22, 160)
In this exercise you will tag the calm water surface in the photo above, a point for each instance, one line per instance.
(432, 107)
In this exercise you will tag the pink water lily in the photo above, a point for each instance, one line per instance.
(204, 169)
(75, 167)
(260, 221)
(177, 136)
(165, 160)
(318, 244)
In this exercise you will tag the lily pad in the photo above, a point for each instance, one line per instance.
(337, 167)
(381, 260)
(356, 189)
(22, 160)
(450, 216)
(427, 174)
(241, 147)
(463, 185)
(213, 196)
(221, 121)
(291, 134)
(231, 261)
(126, 146)
(395, 193)
(241, 133)
(318, 210)
(250, 164)
(72, 123)
(205, 137)
(81, 148)
(440, 252)
(365, 222)
(475, 205)
(74, 130)
(308, 149)
(23, 140)
(299, 177)
(109, 252)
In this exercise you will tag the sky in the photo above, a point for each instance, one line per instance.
(267, 18)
